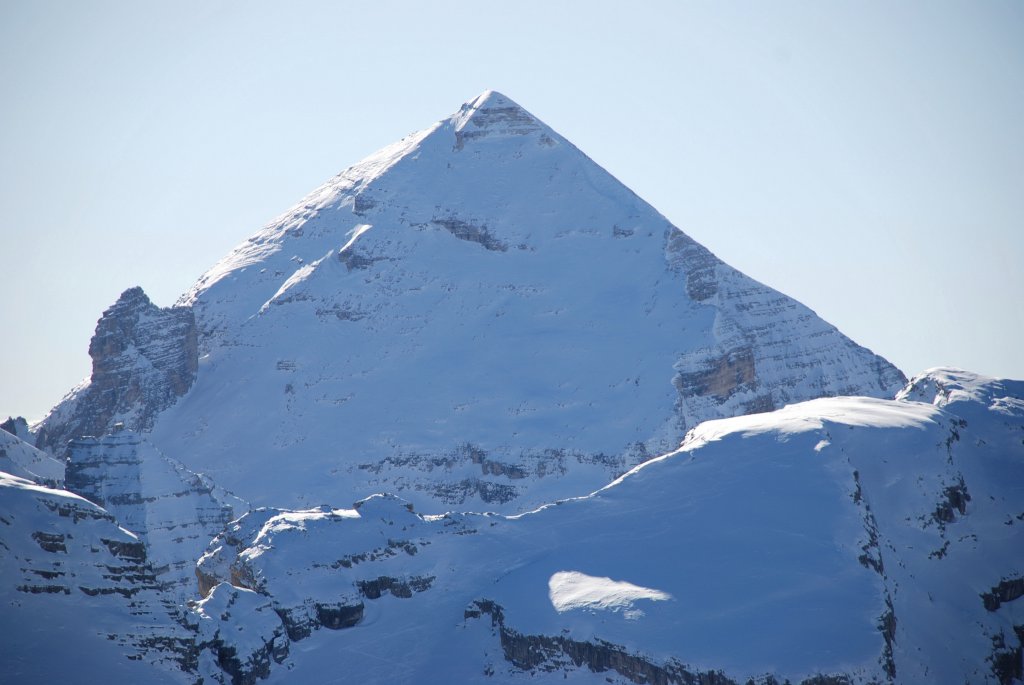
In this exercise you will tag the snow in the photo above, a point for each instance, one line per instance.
(8, 480)
(814, 415)
(945, 386)
(569, 590)
(767, 544)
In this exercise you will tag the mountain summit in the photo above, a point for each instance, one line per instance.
(493, 114)
(475, 316)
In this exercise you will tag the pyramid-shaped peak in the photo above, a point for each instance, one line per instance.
(492, 113)
(488, 265)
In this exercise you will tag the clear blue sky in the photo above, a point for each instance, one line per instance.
(866, 158)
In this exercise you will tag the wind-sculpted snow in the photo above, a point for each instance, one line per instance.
(814, 415)
(570, 590)
(838, 540)
(478, 316)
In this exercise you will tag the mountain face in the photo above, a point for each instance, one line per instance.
(841, 540)
(476, 317)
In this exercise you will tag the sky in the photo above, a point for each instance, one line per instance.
(866, 158)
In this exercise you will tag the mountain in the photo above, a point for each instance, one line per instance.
(476, 317)
(840, 540)
(473, 412)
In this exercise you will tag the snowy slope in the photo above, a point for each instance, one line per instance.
(847, 538)
(477, 316)
(21, 459)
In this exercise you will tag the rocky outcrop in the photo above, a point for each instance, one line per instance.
(174, 511)
(1007, 660)
(240, 632)
(325, 587)
(465, 230)
(1007, 590)
(143, 359)
(544, 653)
(300, 620)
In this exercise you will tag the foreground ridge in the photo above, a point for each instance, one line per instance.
(840, 540)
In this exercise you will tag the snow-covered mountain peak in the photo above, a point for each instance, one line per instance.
(19, 458)
(475, 313)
